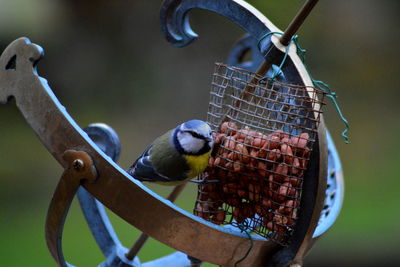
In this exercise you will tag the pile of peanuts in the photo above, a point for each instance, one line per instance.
(252, 173)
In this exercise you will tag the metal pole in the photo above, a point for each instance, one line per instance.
(297, 21)
(290, 31)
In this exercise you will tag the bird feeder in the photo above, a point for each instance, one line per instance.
(89, 155)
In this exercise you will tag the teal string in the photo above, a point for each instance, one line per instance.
(318, 84)
(244, 227)
(325, 88)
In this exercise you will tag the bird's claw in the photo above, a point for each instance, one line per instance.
(198, 181)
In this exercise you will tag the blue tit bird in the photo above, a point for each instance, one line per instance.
(177, 156)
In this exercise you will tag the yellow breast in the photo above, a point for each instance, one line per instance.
(197, 164)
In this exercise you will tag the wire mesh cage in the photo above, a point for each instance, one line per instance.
(264, 134)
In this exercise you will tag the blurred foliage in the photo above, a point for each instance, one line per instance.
(107, 61)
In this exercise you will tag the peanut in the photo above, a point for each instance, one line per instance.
(287, 154)
(208, 188)
(279, 133)
(266, 203)
(211, 162)
(256, 142)
(262, 153)
(218, 139)
(296, 165)
(252, 196)
(242, 193)
(288, 207)
(303, 163)
(217, 161)
(202, 210)
(294, 141)
(295, 182)
(285, 140)
(281, 172)
(238, 215)
(229, 165)
(248, 140)
(254, 153)
(232, 156)
(232, 201)
(303, 140)
(274, 155)
(270, 226)
(230, 188)
(202, 196)
(242, 134)
(248, 210)
(237, 166)
(272, 142)
(260, 210)
(230, 143)
(213, 196)
(243, 152)
(262, 169)
(228, 127)
(280, 220)
(219, 217)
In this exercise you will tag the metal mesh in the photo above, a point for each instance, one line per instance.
(264, 133)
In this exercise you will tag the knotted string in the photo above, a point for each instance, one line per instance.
(318, 84)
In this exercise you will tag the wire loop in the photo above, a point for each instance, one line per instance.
(318, 84)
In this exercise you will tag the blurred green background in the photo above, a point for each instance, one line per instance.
(108, 62)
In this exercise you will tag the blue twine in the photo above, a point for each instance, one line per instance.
(318, 84)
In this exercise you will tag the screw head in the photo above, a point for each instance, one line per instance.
(78, 164)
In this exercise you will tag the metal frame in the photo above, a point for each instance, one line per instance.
(111, 185)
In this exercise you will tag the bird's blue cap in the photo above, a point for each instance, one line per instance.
(193, 124)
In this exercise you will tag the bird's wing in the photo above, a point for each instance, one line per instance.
(143, 169)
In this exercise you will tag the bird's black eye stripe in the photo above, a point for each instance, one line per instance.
(194, 134)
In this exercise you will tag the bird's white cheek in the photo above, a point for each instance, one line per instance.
(194, 145)
(190, 144)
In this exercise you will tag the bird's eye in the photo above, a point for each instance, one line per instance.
(196, 135)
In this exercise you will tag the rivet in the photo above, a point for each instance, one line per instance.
(78, 164)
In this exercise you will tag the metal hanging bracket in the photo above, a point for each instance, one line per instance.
(79, 169)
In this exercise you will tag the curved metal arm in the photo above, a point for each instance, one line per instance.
(176, 28)
(175, 19)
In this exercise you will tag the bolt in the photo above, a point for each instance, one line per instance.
(78, 164)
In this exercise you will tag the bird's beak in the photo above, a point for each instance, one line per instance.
(210, 139)
(210, 142)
